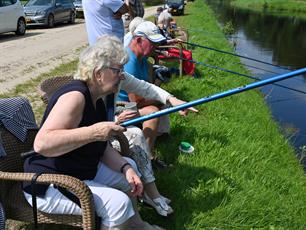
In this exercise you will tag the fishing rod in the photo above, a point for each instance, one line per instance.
(237, 55)
(234, 72)
(214, 97)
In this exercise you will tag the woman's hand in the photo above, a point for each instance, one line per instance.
(134, 181)
(103, 131)
(127, 115)
(174, 102)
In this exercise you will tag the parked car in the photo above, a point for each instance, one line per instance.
(177, 6)
(79, 8)
(12, 18)
(49, 12)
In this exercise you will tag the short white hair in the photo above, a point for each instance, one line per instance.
(164, 18)
(108, 50)
(134, 23)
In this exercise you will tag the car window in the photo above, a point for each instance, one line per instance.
(40, 2)
(174, 1)
(7, 2)
(65, 1)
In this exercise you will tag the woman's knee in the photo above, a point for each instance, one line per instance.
(114, 210)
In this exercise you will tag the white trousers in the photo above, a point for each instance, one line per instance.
(108, 187)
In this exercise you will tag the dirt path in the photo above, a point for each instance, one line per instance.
(40, 50)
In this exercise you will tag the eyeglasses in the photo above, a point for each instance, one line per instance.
(117, 71)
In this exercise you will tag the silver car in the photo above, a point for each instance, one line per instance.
(49, 12)
(12, 17)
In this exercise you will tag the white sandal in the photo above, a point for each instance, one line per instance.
(167, 200)
(160, 205)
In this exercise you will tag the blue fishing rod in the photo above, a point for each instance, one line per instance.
(233, 54)
(214, 97)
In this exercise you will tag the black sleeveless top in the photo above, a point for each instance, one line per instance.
(82, 162)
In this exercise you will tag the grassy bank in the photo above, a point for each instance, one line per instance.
(281, 7)
(243, 173)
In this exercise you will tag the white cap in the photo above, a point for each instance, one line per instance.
(150, 31)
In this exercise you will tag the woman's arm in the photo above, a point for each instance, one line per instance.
(60, 133)
(115, 161)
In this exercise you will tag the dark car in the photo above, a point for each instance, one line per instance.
(79, 7)
(49, 12)
(177, 6)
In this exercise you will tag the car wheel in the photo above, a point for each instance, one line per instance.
(72, 18)
(50, 21)
(21, 27)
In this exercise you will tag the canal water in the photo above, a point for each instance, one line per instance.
(277, 40)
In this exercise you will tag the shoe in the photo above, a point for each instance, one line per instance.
(158, 164)
(159, 204)
(167, 200)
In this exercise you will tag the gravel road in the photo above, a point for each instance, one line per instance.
(40, 50)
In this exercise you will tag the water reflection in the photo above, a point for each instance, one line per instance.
(277, 40)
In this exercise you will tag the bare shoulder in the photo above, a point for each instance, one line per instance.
(73, 98)
(68, 110)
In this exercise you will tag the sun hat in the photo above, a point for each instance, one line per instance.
(150, 31)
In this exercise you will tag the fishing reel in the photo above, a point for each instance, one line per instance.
(164, 73)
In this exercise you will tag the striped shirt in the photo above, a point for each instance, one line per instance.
(16, 115)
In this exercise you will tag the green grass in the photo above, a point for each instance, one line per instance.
(243, 173)
(290, 8)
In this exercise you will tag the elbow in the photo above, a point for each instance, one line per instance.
(40, 146)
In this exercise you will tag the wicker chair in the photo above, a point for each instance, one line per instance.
(11, 176)
(47, 87)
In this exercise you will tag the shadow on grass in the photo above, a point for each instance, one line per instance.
(193, 190)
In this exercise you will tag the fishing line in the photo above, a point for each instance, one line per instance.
(233, 72)
(255, 67)
(237, 55)
(283, 100)
(214, 97)
(269, 71)
(215, 34)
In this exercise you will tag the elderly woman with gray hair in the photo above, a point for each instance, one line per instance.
(73, 140)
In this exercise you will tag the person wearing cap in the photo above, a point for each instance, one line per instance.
(132, 26)
(146, 36)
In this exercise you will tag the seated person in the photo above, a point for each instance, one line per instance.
(158, 12)
(73, 140)
(146, 35)
(165, 23)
